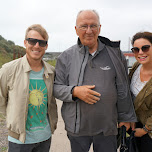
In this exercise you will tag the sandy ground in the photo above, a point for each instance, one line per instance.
(60, 142)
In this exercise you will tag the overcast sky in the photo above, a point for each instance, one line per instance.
(120, 19)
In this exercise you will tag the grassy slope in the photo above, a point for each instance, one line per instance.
(4, 57)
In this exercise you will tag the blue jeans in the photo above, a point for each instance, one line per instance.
(100, 143)
(37, 147)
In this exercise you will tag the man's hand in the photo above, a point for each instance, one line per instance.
(126, 124)
(86, 94)
(133, 125)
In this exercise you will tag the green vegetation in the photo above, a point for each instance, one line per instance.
(5, 57)
(7, 46)
(2, 117)
(3, 149)
(7, 49)
(52, 62)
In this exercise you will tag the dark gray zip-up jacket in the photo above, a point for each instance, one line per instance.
(69, 73)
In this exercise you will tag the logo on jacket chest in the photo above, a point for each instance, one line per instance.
(105, 68)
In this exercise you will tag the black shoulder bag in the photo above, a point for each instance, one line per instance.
(128, 144)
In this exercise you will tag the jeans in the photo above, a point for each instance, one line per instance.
(37, 147)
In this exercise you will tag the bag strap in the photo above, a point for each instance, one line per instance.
(123, 147)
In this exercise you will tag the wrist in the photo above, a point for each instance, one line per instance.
(73, 97)
(72, 90)
(147, 130)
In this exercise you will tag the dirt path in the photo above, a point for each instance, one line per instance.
(3, 136)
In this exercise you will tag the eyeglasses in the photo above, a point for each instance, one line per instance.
(85, 27)
(144, 48)
(32, 41)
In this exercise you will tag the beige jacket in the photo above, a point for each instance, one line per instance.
(14, 95)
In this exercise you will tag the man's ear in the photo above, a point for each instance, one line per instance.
(25, 43)
(76, 31)
(99, 28)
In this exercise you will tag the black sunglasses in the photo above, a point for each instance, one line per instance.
(144, 48)
(32, 41)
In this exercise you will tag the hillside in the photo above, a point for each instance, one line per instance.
(8, 50)
(5, 57)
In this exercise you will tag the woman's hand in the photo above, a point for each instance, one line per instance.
(139, 132)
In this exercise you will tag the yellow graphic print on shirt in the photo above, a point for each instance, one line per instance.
(37, 108)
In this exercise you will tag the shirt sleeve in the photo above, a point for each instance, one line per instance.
(3, 91)
(61, 89)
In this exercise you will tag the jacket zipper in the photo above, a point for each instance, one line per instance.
(77, 85)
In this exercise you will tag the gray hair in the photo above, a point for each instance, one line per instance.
(94, 11)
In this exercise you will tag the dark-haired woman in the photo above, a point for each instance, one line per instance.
(141, 88)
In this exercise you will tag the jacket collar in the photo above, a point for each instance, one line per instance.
(146, 90)
(106, 41)
(27, 67)
(101, 39)
(133, 69)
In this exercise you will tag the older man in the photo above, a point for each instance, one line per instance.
(91, 80)
(26, 86)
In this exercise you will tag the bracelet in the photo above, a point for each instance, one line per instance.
(149, 131)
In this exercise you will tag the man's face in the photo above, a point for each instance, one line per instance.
(88, 28)
(34, 52)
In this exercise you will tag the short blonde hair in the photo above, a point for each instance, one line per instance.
(39, 29)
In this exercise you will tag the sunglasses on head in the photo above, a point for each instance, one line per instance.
(32, 41)
(144, 48)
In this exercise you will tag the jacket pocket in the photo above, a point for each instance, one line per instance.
(144, 106)
(147, 105)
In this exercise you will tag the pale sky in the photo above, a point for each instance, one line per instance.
(120, 19)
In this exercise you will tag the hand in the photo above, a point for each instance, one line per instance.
(86, 94)
(140, 132)
(126, 124)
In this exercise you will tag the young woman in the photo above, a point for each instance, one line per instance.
(141, 87)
